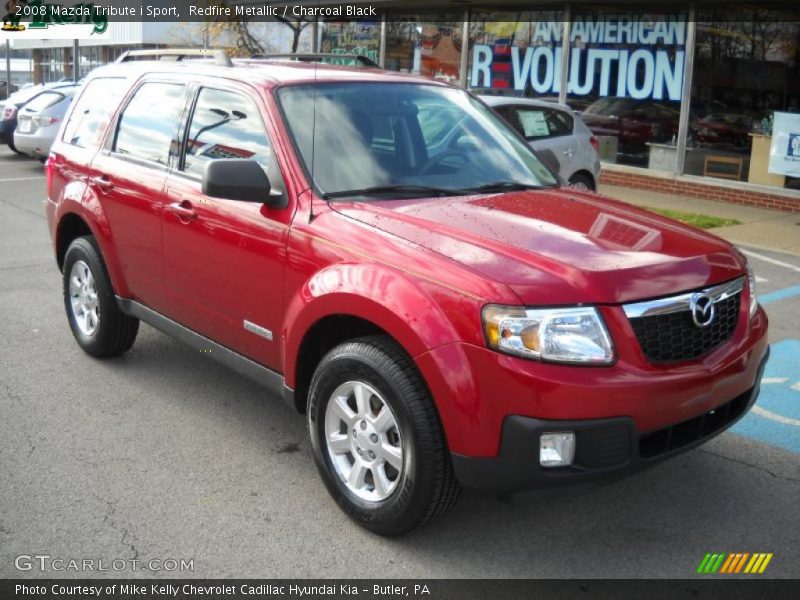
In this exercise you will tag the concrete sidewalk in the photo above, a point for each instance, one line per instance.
(760, 228)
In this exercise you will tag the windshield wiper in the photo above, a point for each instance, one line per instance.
(380, 190)
(503, 186)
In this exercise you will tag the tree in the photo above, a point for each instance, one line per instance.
(297, 26)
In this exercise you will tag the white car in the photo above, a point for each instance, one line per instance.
(556, 128)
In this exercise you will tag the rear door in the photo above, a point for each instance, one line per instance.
(71, 156)
(128, 178)
(224, 259)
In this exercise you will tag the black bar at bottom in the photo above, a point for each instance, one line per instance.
(703, 587)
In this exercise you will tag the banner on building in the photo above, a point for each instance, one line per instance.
(633, 56)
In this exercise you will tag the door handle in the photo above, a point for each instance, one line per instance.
(102, 182)
(183, 210)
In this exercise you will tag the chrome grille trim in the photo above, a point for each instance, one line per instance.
(673, 304)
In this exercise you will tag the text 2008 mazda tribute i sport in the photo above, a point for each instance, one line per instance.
(396, 261)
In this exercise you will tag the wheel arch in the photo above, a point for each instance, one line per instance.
(335, 306)
(587, 174)
(74, 220)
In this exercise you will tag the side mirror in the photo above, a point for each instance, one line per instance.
(239, 179)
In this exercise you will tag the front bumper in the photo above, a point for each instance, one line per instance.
(605, 448)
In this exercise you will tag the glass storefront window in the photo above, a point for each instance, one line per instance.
(428, 45)
(626, 77)
(516, 53)
(353, 37)
(745, 86)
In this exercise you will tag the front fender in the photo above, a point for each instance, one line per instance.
(411, 310)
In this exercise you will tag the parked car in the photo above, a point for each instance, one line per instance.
(8, 117)
(634, 123)
(443, 313)
(724, 129)
(39, 120)
(555, 128)
(5, 90)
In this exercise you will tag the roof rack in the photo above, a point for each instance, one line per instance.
(318, 57)
(177, 54)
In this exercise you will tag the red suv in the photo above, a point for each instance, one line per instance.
(441, 309)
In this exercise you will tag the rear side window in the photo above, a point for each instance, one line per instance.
(149, 123)
(537, 123)
(44, 101)
(91, 114)
(225, 125)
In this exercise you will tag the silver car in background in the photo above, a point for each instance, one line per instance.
(554, 128)
(39, 120)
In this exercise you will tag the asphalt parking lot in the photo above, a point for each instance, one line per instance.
(163, 454)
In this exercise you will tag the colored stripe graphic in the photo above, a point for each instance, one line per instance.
(724, 563)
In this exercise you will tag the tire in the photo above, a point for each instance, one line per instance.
(14, 149)
(582, 182)
(424, 487)
(99, 327)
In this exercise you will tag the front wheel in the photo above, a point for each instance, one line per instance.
(376, 437)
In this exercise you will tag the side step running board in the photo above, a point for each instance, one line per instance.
(241, 364)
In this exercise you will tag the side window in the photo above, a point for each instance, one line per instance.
(226, 125)
(538, 123)
(149, 122)
(91, 114)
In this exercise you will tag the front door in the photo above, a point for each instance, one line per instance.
(224, 259)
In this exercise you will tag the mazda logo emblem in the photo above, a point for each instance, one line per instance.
(702, 308)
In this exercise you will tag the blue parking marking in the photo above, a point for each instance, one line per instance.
(780, 294)
(775, 418)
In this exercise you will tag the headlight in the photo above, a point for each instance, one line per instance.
(751, 280)
(572, 335)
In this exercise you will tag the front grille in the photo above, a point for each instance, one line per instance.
(673, 336)
(671, 438)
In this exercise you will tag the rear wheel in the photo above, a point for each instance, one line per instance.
(97, 324)
(376, 437)
(581, 181)
(14, 148)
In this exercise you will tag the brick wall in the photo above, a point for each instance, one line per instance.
(676, 186)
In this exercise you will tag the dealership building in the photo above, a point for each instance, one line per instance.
(698, 99)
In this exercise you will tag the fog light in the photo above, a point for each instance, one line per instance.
(557, 449)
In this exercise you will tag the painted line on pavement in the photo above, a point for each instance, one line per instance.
(22, 178)
(774, 261)
(771, 415)
(780, 294)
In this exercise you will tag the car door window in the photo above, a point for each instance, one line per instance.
(226, 125)
(92, 113)
(149, 122)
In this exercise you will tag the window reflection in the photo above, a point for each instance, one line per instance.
(148, 123)
(225, 125)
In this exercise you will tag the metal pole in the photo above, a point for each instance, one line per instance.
(562, 90)
(464, 79)
(76, 60)
(382, 48)
(8, 68)
(686, 92)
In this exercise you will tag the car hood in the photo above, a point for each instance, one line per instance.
(559, 246)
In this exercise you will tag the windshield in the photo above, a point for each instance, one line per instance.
(406, 138)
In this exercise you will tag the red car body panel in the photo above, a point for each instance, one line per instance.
(421, 270)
